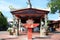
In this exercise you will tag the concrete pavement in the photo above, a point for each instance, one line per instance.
(23, 36)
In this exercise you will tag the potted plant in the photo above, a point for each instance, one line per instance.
(10, 31)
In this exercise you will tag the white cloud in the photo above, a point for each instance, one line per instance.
(4, 6)
(9, 19)
(59, 18)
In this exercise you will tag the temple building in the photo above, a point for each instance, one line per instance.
(39, 16)
(55, 25)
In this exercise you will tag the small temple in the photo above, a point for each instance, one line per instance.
(39, 16)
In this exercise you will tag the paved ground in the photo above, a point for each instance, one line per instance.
(23, 36)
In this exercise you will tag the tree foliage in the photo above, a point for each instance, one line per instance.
(3, 21)
(54, 5)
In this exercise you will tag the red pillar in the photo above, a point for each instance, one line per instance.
(29, 33)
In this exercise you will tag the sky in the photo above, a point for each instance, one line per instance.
(19, 4)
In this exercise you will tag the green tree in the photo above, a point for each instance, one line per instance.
(3, 22)
(54, 6)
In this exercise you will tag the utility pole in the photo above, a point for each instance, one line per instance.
(29, 3)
